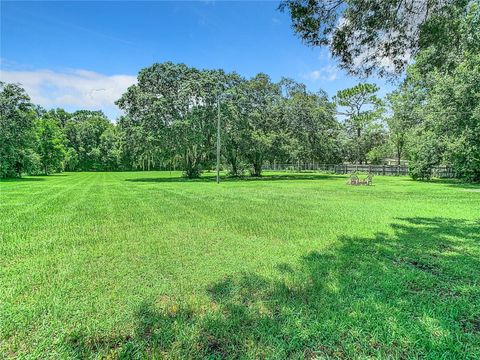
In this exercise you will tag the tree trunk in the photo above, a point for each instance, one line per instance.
(234, 168)
(192, 170)
(233, 160)
(257, 169)
(399, 154)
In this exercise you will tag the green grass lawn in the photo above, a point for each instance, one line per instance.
(146, 264)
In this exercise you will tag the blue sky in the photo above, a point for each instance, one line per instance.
(85, 54)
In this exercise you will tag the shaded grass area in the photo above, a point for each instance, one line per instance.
(96, 266)
(370, 296)
(210, 177)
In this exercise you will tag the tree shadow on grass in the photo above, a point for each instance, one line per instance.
(450, 182)
(211, 179)
(31, 178)
(410, 294)
(14, 180)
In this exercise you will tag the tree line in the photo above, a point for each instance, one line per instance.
(432, 118)
(435, 112)
(170, 122)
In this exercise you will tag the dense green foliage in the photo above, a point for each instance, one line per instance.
(149, 265)
(34, 141)
(16, 130)
(50, 144)
(362, 109)
(171, 123)
(171, 116)
(93, 142)
(368, 36)
(170, 120)
(437, 108)
(434, 114)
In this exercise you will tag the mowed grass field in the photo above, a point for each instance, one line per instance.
(148, 265)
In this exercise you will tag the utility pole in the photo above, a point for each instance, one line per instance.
(218, 139)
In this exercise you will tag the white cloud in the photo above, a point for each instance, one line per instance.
(328, 73)
(73, 89)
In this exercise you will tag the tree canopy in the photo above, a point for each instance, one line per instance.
(16, 130)
(170, 122)
(440, 105)
(175, 108)
(372, 36)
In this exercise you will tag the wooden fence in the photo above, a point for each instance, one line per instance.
(392, 170)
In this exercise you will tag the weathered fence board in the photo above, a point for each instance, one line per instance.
(391, 170)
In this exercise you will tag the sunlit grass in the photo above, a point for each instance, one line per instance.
(145, 264)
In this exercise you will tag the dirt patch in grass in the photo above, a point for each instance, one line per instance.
(418, 265)
(470, 325)
(81, 345)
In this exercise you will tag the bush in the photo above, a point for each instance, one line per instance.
(238, 171)
(192, 172)
(425, 153)
(378, 154)
(463, 154)
(33, 163)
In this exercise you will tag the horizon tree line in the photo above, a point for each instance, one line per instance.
(171, 113)
(432, 118)
(170, 123)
